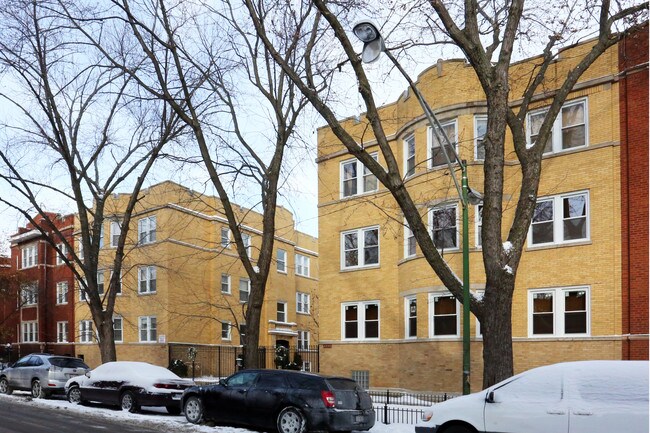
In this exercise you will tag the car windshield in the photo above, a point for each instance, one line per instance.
(343, 384)
(67, 362)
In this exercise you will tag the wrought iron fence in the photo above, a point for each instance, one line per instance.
(403, 407)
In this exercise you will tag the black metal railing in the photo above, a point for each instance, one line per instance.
(389, 405)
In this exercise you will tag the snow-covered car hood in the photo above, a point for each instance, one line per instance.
(471, 406)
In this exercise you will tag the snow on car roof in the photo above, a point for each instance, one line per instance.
(133, 371)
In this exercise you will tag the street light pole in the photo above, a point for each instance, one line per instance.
(373, 46)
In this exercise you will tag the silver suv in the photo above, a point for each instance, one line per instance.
(41, 373)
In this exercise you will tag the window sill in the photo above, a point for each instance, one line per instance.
(362, 194)
(360, 268)
(559, 245)
(147, 293)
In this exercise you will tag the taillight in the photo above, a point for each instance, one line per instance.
(165, 386)
(328, 398)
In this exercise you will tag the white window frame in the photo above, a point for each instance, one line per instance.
(456, 225)
(408, 317)
(479, 295)
(361, 320)
(147, 228)
(29, 256)
(85, 331)
(282, 313)
(556, 130)
(453, 139)
(478, 137)
(62, 293)
(281, 264)
(28, 294)
(225, 237)
(81, 248)
(478, 224)
(360, 233)
(408, 158)
(303, 303)
(117, 318)
(558, 220)
(150, 275)
(408, 236)
(62, 332)
(64, 250)
(559, 294)
(247, 240)
(247, 290)
(101, 236)
(101, 282)
(302, 265)
(149, 326)
(302, 342)
(227, 327)
(362, 173)
(432, 331)
(116, 231)
(82, 290)
(225, 280)
(29, 331)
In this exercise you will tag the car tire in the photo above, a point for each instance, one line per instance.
(128, 402)
(459, 429)
(193, 409)
(291, 420)
(74, 395)
(4, 387)
(37, 389)
(173, 409)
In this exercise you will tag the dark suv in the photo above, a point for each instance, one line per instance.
(291, 401)
(41, 373)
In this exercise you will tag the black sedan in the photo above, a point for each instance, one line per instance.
(291, 401)
(130, 385)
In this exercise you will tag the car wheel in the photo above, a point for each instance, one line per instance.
(4, 386)
(128, 403)
(291, 420)
(37, 389)
(193, 409)
(459, 429)
(74, 395)
(173, 409)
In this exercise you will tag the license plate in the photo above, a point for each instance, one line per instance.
(359, 418)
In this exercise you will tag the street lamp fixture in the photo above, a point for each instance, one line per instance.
(373, 46)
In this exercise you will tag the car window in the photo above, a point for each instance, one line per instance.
(67, 362)
(343, 384)
(243, 379)
(271, 381)
(35, 361)
(22, 361)
(303, 381)
(534, 387)
(617, 386)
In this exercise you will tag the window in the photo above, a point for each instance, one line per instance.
(352, 183)
(225, 283)
(29, 255)
(360, 320)
(225, 237)
(443, 310)
(246, 240)
(281, 312)
(302, 303)
(479, 333)
(86, 331)
(147, 230)
(61, 332)
(118, 326)
(147, 329)
(436, 156)
(303, 340)
(409, 241)
(81, 248)
(442, 223)
(82, 289)
(225, 331)
(568, 131)
(61, 293)
(100, 282)
(480, 128)
(302, 265)
(558, 312)
(30, 332)
(28, 294)
(478, 219)
(101, 236)
(282, 261)
(244, 289)
(360, 248)
(147, 279)
(409, 156)
(560, 219)
(116, 231)
(411, 314)
(64, 252)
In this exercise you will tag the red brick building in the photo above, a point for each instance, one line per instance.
(38, 314)
(633, 84)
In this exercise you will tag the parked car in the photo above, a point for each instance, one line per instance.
(130, 385)
(289, 401)
(572, 397)
(41, 373)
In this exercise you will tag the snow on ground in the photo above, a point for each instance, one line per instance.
(155, 417)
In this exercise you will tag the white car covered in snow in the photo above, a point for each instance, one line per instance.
(130, 385)
(571, 397)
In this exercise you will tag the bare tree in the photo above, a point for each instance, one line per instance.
(487, 34)
(75, 134)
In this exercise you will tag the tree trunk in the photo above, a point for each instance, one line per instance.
(253, 316)
(496, 327)
(106, 343)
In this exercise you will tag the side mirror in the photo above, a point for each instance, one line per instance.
(223, 383)
(87, 374)
(489, 398)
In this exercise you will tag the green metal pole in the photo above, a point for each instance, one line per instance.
(466, 345)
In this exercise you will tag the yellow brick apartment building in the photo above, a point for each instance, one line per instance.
(387, 320)
(183, 283)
